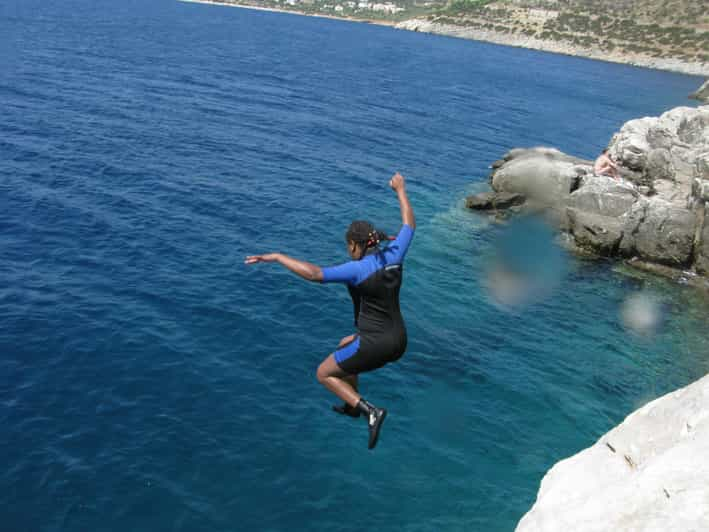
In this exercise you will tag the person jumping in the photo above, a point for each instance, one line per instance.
(373, 278)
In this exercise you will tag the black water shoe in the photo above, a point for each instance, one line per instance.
(375, 417)
(374, 421)
(346, 410)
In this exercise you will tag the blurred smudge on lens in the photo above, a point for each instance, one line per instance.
(641, 314)
(526, 265)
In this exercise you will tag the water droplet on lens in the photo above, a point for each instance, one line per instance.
(641, 314)
(526, 266)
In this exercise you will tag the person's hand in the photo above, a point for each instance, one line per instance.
(268, 257)
(397, 182)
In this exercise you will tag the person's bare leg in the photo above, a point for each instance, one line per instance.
(337, 381)
(352, 380)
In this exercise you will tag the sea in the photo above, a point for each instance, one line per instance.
(151, 381)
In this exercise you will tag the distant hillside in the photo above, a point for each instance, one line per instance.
(671, 29)
(692, 13)
(670, 34)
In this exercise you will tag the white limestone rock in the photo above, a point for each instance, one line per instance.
(659, 231)
(650, 473)
(543, 174)
(654, 213)
(663, 147)
(630, 145)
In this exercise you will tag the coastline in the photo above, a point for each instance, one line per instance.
(503, 39)
(377, 22)
(563, 48)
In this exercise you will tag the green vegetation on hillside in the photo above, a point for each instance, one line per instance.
(654, 28)
(671, 28)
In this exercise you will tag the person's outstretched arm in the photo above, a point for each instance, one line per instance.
(407, 213)
(306, 270)
(394, 253)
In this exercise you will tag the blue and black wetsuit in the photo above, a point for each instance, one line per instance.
(374, 282)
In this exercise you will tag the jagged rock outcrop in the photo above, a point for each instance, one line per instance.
(664, 148)
(543, 174)
(492, 201)
(656, 213)
(597, 213)
(658, 231)
(649, 473)
(702, 250)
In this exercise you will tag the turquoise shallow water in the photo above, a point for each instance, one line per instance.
(149, 381)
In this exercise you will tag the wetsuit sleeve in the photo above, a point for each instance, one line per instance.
(396, 250)
(344, 273)
(354, 294)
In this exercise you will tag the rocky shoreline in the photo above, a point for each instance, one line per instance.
(655, 217)
(565, 48)
(244, 5)
(496, 37)
(647, 473)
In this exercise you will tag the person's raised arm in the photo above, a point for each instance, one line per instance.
(398, 184)
(306, 270)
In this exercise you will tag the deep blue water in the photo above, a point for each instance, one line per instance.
(150, 381)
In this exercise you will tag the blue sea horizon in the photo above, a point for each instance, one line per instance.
(151, 381)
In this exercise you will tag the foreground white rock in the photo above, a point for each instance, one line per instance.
(651, 473)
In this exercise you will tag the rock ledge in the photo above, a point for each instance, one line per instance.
(649, 473)
(657, 213)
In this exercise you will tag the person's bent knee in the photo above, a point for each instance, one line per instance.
(321, 373)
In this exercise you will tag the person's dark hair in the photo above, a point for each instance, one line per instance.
(605, 150)
(363, 233)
